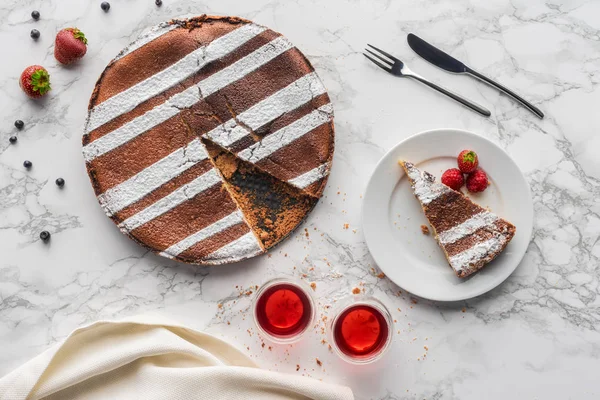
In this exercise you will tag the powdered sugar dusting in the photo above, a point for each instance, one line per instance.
(462, 261)
(424, 185)
(285, 100)
(172, 200)
(232, 219)
(127, 100)
(244, 247)
(468, 227)
(287, 134)
(310, 177)
(144, 39)
(151, 178)
(185, 99)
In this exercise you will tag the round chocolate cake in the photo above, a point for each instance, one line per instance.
(208, 140)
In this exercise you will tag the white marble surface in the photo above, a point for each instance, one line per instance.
(535, 336)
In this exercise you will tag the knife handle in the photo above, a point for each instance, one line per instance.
(473, 106)
(506, 90)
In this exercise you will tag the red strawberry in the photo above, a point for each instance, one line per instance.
(453, 178)
(477, 181)
(35, 81)
(467, 161)
(70, 45)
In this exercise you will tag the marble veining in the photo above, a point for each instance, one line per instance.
(535, 336)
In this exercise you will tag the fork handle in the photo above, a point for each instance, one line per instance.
(473, 106)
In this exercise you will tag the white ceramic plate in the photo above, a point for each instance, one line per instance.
(392, 216)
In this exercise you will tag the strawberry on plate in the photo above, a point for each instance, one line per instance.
(35, 81)
(70, 45)
(477, 181)
(467, 161)
(453, 178)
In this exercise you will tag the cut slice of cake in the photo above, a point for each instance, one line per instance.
(469, 235)
(273, 208)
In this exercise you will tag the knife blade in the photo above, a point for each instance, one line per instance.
(446, 62)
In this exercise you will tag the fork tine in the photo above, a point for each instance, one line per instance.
(391, 57)
(380, 65)
(386, 61)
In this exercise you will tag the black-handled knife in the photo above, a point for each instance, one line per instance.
(445, 61)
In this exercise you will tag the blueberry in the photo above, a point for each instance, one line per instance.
(27, 164)
(158, 2)
(19, 124)
(35, 34)
(35, 15)
(12, 139)
(60, 182)
(105, 5)
(45, 236)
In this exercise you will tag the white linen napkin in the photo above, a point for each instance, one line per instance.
(145, 358)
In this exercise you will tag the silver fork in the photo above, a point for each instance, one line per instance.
(397, 68)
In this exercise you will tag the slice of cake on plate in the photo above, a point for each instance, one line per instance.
(469, 235)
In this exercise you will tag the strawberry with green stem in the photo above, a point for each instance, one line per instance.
(70, 45)
(35, 81)
(467, 161)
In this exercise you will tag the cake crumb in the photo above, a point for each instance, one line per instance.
(464, 309)
(297, 367)
(355, 290)
(381, 275)
(319, 363)
(424, 229)
(413, 300)
(220, 306)
(313, 285)
(346, 226)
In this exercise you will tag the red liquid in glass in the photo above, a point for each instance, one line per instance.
(283, 310)
(361, 331)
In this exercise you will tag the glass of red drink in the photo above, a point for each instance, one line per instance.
(283, 310)
(361, 330)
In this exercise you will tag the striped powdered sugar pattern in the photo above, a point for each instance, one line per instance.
(310, 177)
(172, 200)
(138, 186)
(127, 100)
(232, 219)
(287, 134)
(468, 227)
(159, 173)
(285, 100)
(463, 260)
(185, 99)
(146, 38)
(247, 244)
